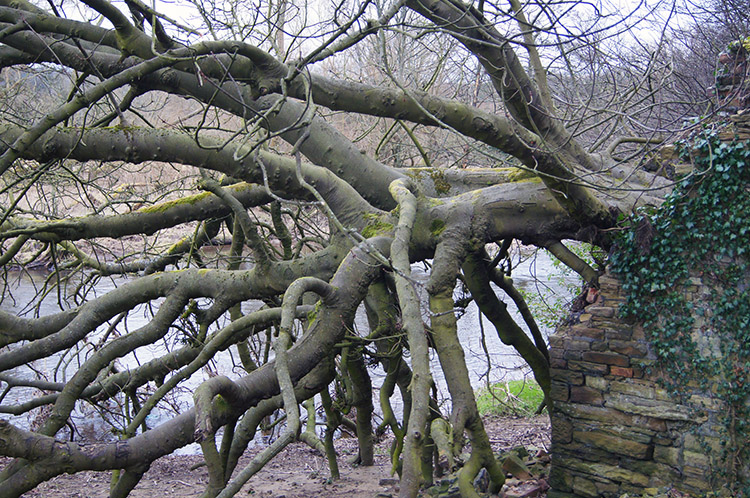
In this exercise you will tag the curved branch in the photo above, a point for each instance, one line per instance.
(286, 385)
(263, 257)
(506, 284)
(572, 261)
(329, 327)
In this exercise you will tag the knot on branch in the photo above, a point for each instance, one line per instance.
(212, 399)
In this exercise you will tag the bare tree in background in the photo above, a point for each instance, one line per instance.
(331, 150)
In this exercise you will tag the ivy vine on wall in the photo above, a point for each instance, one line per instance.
(685, 271)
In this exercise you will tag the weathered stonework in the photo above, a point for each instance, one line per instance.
(732, 82)
(615, 430)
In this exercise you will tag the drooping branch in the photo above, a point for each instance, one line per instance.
(558, 155)
(416, 431)
(262, 256)
(495, 53)
(572, 261)
(283, 376)
(146, 220)
(464, 413)
(14, 328)
(506, 284)
(477, 280)
(203, 235)
(350, 284)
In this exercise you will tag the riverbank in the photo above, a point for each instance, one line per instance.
(298, 472)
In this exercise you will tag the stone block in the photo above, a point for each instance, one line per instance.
(649, 407)
(620, 371)
(615, 301)
(606, 358)
(586, 395)
(712, 429)
(557, 363)
(584, 487)
(650, 423)
(514, 466)
(637, 433)
(616, 332)
(587, 366)
(602, 311)
(707, 402)
(589, 332)
(560, 479)
(702, 444)
(574, 378)
(651, 469)
(633, 387)
(562, 430)
(628, 348)
(594, 413)
(696, 460)
(615, 444)
(607, 489)
(608, 279)
(577, 345)
(596, 382)
(610, 472)
(557, 341)
(609, 291)
(609, 416)
(559, 391)
(572, 355)
(556, 352)
(599, 346)
(667, 455)
(588, 453)
(695, 484)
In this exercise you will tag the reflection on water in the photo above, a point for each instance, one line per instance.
(488, 359)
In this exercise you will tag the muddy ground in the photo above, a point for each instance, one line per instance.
(298, 472)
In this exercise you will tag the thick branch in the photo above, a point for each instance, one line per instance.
(137, 145)
(416, 431)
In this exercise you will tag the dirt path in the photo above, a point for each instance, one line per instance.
(298, 472)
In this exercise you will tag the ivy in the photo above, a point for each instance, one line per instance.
(686, 275)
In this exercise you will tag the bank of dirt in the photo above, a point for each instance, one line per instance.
(298, 472)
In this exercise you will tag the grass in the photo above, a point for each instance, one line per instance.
(519, 398)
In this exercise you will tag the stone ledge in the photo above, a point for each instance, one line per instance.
(649, 408)
(615, 444)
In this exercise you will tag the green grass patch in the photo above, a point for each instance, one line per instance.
(519, 398)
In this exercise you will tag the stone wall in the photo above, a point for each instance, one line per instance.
(732, 77)
(614, 429)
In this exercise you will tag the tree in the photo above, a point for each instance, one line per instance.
(327, 225)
